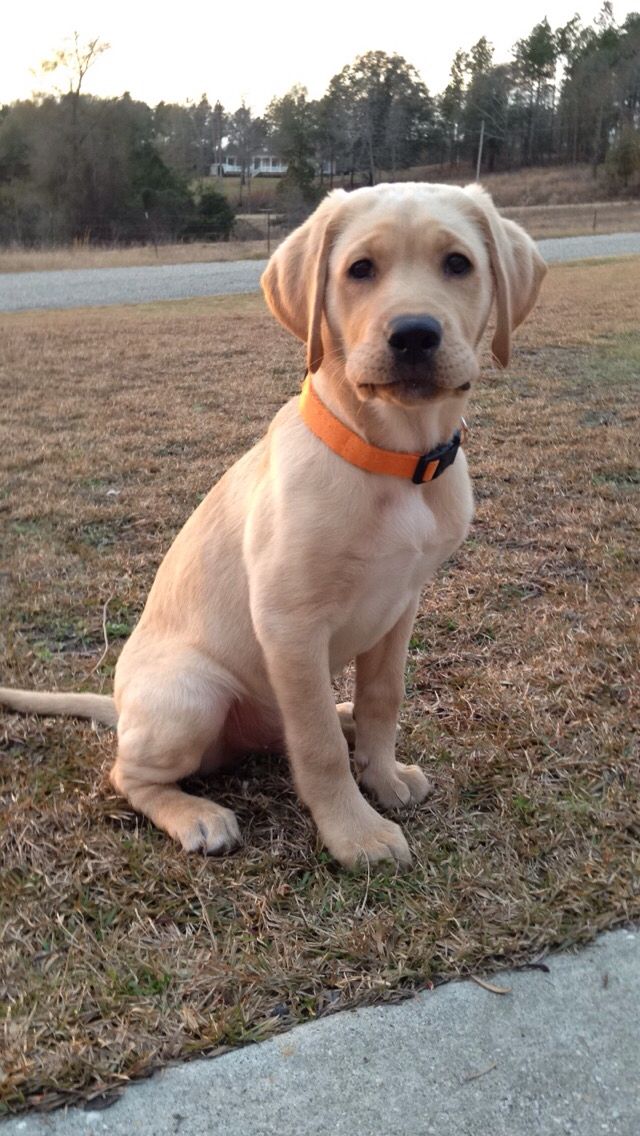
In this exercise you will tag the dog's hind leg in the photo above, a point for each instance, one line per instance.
(167, 722)
(347, 722)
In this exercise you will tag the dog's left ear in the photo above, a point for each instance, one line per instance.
(518, 270)
(295, 278)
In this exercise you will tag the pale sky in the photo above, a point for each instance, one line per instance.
(256, 49)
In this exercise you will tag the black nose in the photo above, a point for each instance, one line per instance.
(414, 339)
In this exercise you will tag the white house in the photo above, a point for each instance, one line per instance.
(262, 164)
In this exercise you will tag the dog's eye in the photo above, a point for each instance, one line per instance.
(457, 264)
(361, 270)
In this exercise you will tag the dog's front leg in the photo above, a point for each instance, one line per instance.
(298, 665)
(379, 692)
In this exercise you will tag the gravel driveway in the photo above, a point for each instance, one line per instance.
(97, 287)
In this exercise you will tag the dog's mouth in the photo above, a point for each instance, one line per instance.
(411, 388)
(444, 375)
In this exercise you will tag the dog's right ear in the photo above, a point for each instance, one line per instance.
(295, 278)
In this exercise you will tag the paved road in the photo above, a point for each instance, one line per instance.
(583, 248)
(97, 287)
(558, 1055)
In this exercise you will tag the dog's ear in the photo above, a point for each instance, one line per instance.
(295, 278)
(518, 270)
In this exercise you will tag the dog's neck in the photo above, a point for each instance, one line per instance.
(417, 428)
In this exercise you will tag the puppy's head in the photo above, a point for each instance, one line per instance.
(393, 286)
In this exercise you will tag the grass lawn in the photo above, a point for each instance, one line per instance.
(119, 952)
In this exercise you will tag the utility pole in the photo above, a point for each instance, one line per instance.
(480, 145)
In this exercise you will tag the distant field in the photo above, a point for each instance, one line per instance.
(87, 256)
(577, 220)
(120, 953)
(539, 220)
(548, 185)
(560, 201)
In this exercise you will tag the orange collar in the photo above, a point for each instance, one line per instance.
(418, 468)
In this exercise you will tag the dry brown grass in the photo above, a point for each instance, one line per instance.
(120, 952)
(577, 220)
(538, 185)
(82, 255)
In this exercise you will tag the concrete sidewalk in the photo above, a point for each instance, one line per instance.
(558, 1054)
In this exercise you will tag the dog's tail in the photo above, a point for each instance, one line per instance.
(100, 707)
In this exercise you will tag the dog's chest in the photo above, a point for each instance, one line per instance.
(405, 545)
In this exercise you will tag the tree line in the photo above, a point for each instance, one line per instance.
(73, 166)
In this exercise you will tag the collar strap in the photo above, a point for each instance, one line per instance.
(418, 468)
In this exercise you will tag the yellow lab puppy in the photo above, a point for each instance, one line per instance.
(313, 548)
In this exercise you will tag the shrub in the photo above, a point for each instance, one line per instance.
(214, 217)
(623, 158)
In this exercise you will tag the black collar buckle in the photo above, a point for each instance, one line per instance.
(444, 455)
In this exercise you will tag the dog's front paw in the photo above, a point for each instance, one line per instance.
(399, 787)
(203, 826)
(365, 837)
